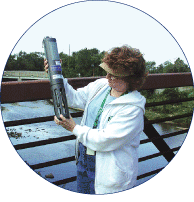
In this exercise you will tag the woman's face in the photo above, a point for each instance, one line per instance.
(117, 83)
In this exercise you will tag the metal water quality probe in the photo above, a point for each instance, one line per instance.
(56, 78)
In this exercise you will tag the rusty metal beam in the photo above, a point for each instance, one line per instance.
(168, 80)
(40, 89)
(25, 91)
(158, 141)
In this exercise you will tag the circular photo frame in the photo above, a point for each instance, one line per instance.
(85, 32)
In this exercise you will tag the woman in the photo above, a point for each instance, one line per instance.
(109, 134)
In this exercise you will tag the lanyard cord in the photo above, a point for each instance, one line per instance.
(101, 108)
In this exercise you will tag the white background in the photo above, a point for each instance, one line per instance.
(20, 183)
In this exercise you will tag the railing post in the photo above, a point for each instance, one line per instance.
(158, 141)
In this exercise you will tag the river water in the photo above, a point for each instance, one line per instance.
(41, 131)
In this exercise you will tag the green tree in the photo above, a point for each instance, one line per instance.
(25, 61)
(84, 63)
(11, 62)
(160, 68)
(168, 67)
(151, 67)
(68, 65)
(180, 66)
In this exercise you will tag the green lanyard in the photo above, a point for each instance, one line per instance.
(101, 108)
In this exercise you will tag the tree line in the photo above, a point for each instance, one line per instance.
(83, 63)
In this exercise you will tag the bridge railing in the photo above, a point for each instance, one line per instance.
(40, 90)
(24, 75)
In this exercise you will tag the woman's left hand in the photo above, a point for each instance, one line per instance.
(68, 124)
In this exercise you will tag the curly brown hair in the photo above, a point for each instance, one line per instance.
(131, 60)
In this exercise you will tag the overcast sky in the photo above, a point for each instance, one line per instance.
(102, 25)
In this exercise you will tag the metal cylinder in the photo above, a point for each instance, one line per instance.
(56, 77)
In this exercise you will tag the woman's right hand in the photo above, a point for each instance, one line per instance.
(46, 65)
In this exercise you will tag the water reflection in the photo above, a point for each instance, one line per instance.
(41, 131)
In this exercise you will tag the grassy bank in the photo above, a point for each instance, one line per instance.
(170, 109)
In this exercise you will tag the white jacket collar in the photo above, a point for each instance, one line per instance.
(132, 98)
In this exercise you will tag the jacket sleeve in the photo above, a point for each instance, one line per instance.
(122, 129)
(75, 98)
(78, 98)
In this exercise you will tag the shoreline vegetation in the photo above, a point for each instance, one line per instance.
(170, 110)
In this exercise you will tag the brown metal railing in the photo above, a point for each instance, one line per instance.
(40, 90)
